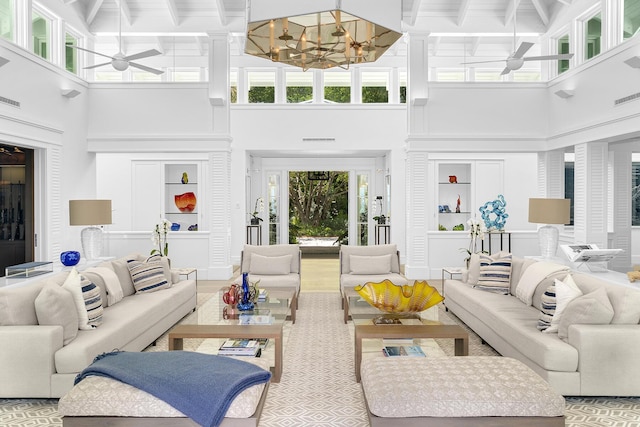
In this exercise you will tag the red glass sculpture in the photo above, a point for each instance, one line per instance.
(186, 202)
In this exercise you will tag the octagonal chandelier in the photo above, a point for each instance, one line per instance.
(324, 34)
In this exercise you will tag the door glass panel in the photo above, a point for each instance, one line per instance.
(363, 210)
(6, 19)
(273, 190)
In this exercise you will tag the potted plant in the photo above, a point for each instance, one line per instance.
(257, 209)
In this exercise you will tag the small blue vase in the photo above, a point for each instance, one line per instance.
(245, 303)
(70, 258)
(175, 226)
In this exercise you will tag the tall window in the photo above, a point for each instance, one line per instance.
(526, 75)
(569, 168)
(375, 87)
(363, 209)
(337, 87)
(262, 87)
(6, 19)
(592, 36)
(635, 193)
(630, 18)
(487, 75)
(563, 47)
(41, 32)
(233, 89)
(444, 75)
(70, 54)
(144, 76)
(402, 79)
(186, 74)
(299, 86)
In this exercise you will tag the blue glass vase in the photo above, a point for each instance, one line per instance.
(245, 303)
(70, 258)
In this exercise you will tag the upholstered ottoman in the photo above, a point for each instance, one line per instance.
(457, 391)
(101, 401)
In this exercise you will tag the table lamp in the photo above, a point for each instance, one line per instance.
(549, 211)
(91, 213)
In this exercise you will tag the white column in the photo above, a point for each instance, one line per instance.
(620, 205)
(590, 193)
(219, 96)
(417, 82)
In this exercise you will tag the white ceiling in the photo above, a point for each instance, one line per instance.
(481, 28)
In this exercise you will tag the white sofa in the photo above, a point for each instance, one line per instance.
(593, 360)
(273, 265)
(362, 264)
(35, 362)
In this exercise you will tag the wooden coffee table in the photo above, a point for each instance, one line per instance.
(212, 320)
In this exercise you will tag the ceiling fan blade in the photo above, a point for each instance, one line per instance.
(94, 52)
(548, 57)
(522, 49)
(483, 62)
(506, 70)
(145, 54)
(97, 65)
(145, 68)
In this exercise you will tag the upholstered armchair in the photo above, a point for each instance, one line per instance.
(273, 265)
(362, 264)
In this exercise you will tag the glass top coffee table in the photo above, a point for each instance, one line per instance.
(409, 327)
(214, 319)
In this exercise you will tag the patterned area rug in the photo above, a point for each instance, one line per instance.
(318, 385)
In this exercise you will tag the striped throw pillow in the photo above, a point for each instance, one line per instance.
(92, 302)
(548, 301)
(147, 276)
(495, 273)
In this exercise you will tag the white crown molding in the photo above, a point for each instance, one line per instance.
(159, 143)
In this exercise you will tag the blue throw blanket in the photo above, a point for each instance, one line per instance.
(201, 386)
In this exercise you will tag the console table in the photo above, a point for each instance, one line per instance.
(501, 234)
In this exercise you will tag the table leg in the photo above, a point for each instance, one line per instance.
(175, 343)
(294, 307)
(358, 356)
(461, 346)
(345, 308)
(278, 362)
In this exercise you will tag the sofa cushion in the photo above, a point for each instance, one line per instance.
(120, 267)
(495, 273)
(147, 276)
(566, 290)
(378, 264)
(291, 280)
(347, 250)
(17, 304)
(353, 280)
(86, 297)
(271, 250)
(593, 308)
(518, 267)
(533, 276)
(270, 265)
(107, 280)
(55, 306)
(548, 308)
(166, 265)
(625, 300)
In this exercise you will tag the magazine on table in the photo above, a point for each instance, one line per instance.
(240, 347)
(589, 253)
(403, 350)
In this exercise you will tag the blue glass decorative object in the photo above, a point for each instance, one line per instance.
(70, 258)
(175, 226)
(494, 215)
(246, 302)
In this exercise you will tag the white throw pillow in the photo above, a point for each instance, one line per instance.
(566, 291)
(474, 269)
(379, 264)
(593, 308)
(270, 265)
(55, 306)
(533, 276)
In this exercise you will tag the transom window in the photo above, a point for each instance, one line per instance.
(592, 36)
(41, 35)
(262, 87)
(563, 47)
(630, 18)
(375, 87)
(70, 53)
(299, 86)
(337, 87)
(7, 22)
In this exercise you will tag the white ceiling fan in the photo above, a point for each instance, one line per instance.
(516, 60)
(121, 62)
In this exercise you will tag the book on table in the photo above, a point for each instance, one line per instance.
(240, 347)
(403, 350)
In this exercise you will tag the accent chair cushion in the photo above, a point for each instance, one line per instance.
(55, 306)
(147, 276)
(593, 308)
(270, 265)
(378, 264)
(495, 273)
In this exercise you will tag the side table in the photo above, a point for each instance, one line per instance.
(254, 229)
(451, 271)
(386, 234)
(187, 271)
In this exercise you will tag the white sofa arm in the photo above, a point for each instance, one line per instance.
(27, 358)
(608, 359)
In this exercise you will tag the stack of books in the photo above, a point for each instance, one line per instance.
(243, 347)
(403, 350)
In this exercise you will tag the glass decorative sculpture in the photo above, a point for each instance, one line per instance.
(185, 202)
(70, 258)
(493, 214)
(395, 299)
(247, 294)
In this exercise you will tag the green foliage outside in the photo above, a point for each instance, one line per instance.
(262, 95)
(296, 94)
(234, 94)
(403, 94)
(375, 94)
(318, 208)
(339, 94)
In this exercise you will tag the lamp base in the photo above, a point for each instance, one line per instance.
(91, 242)
(548, 240)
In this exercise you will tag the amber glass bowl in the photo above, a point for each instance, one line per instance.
(392, 298)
